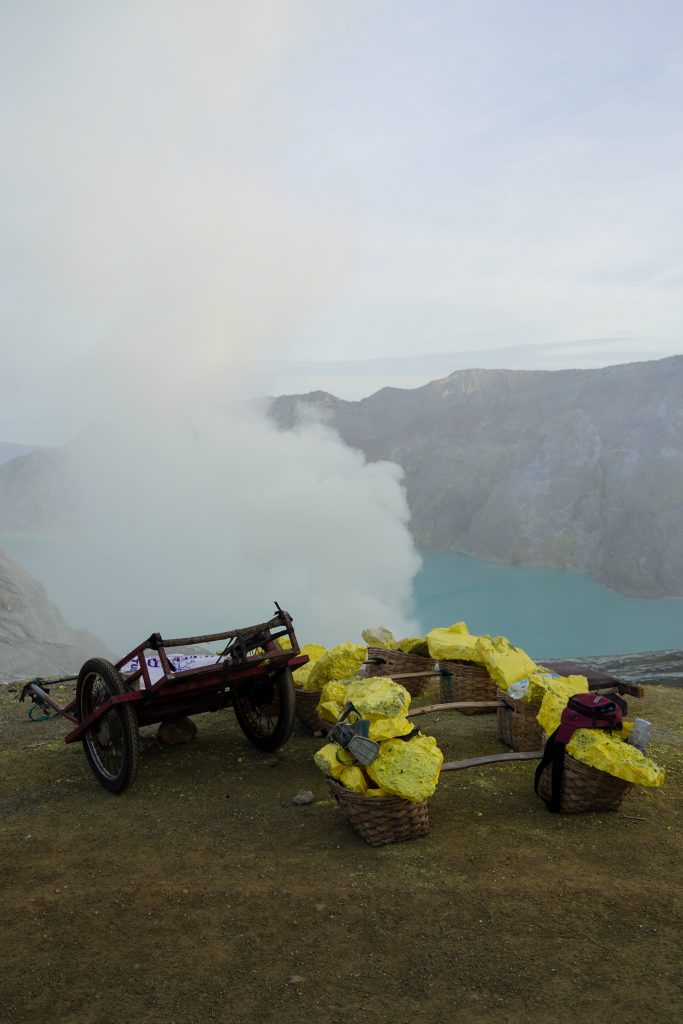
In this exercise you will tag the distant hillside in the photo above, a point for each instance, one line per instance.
(13, 451)
(34, 639)
(35, 493)
(579, 469)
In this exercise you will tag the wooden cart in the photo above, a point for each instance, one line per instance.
(252, 674)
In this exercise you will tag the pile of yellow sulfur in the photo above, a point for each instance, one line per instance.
(408, 763)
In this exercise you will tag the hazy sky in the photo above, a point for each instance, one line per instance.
(491, 182)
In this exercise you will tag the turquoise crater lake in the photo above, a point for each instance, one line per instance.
(548, 612)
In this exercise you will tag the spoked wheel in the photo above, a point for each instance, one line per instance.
(265, 710)
(111, 744)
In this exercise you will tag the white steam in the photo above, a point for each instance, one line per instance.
(196, 522)
(150, 274)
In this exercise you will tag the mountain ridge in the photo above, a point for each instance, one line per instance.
(579, 469)
(34, 639)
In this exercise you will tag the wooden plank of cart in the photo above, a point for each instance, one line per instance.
(252, 674)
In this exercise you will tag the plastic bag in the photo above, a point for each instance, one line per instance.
(407, 768)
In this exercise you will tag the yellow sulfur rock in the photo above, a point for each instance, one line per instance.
(409, 768)
(378, 697)
(389, 728)
(598, 749)
(453, 643)
(413, 645)
(332, 760)
(354, 779)
(335, 691)
(332, 699)
(302, 675)
(563, 687)
(505, 664)
(340, 662)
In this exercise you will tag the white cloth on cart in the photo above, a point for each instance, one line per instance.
(179, 661)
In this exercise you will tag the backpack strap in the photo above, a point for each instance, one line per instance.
(553, 754)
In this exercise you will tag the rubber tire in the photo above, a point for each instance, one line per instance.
(126, 719)
(284, 687)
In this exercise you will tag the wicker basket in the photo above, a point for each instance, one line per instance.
(584, 788)
(517, 725)
(467, 682)
(382, 662)
(307, 711)
(382, 819)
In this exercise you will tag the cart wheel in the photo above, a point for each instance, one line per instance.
(111, 745)
(265, 710)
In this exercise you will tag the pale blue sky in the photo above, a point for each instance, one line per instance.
(325, 183)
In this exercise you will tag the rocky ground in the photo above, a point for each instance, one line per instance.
(663, 667)
(203, 894)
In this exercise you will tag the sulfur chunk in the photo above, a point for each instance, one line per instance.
(563, 687)
(389, 728)
(609, 753)
(329, 710)
(302, 675)
(332, 699)
(332, 760)
(409, 768)
(340, 662)
(354, 779)
(413, 645)
(380, 636)
(378, 697)
(453, 643)
(505, 664)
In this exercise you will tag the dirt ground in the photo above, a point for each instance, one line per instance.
(203, 894)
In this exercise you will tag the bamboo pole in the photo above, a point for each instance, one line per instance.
(472, 762)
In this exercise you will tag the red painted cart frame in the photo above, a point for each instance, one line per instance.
(252, 674)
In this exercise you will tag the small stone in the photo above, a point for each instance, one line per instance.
(181, 731)
(304, 797)
(295, 979)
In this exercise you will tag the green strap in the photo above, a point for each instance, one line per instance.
(34, 718)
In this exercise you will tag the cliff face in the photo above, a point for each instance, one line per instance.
(580, 469)
(34, 639)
